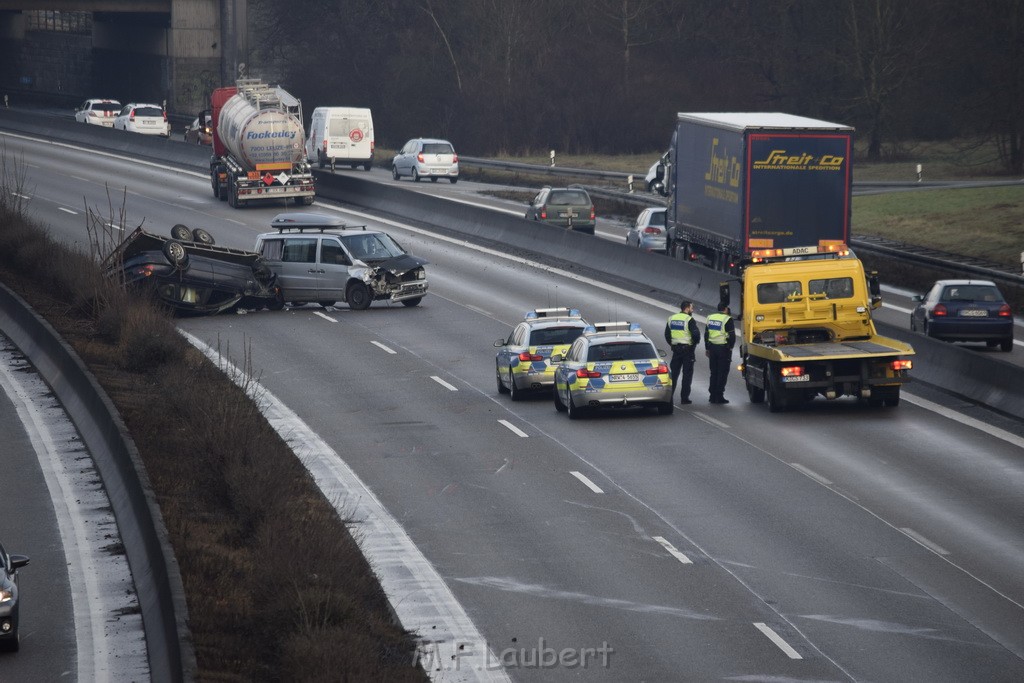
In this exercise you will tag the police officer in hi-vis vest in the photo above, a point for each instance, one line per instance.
(682, 333)
(719, 338)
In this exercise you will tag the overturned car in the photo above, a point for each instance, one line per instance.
(191, 274)
(317, 258)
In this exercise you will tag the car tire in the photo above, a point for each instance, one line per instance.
(575, 413)
(514, 392)
(913, 323)
(559, 406)
(502, 389)
(367, 166)
(358, 296)
(326, 304)
(1006, 345)
(176, 254)
(181, 233)
(415, 175)
(394, 172)
(454, 180)
(665, 408)
(202, 237)
(409, 303)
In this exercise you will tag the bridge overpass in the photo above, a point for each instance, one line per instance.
(173, 51)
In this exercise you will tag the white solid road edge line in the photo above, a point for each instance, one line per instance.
(586, 482)
(423, 602)
(777, 639)
(934, 547)
(512, 428)
(672, 550)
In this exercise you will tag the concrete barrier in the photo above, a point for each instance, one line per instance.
(150, 555)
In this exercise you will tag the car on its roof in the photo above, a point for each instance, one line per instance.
(146, 119)
(98, 112)
(426, 158)
(648, 231)
(965, 311)
(10, 604)
(523, 362)
(566, 207)
(318, 258)
(190, 274)
(612, 365)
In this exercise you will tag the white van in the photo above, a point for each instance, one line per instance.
(340, 136)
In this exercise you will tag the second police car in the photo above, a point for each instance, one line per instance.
(611, 365)
(523, 362)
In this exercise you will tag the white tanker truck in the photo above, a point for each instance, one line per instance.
(258, 145)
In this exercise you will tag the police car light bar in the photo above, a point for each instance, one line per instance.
(553, 313)
(619, 326)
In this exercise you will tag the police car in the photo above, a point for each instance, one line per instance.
(612, 365)
(523, 363)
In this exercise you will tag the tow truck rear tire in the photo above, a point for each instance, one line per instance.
(756, 394)
(777, 402)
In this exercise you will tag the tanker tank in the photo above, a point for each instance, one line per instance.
(256, 127)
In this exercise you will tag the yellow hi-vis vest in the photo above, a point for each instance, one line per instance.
(716, 328)
(679, 328)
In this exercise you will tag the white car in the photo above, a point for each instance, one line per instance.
(98, 112)
(147, 119)
(426, 158)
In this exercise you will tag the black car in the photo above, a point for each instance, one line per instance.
(191, 274)
(965, 310)
(10, 637)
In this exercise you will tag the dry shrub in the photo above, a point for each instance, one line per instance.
(147, 338)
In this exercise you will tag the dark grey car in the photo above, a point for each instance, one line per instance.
(10, 634)
(567, 207)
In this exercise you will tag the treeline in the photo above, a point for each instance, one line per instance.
(608, 76)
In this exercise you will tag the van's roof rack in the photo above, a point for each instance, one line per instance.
(317, 228)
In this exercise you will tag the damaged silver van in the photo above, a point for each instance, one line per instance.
(317, 258)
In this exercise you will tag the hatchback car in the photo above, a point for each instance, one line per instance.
(611, 365)
(648, 231)
(147, 119)
(200, 131)
(566, 207)
(426, 158)
(523, 361)
(965, 310)
(10, 635)
(319, 258)
(98, 112)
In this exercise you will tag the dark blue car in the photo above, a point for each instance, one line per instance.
(966, 311)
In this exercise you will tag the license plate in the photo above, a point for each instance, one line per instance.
(974, 313)
(439, 171)
(797, 378)
(624, 378)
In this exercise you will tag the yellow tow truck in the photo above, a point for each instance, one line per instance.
(807, 331)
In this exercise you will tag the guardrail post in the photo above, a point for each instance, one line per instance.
(629, 183)
(552, 158)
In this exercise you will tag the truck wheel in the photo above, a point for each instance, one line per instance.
(776, 399)
(308, 201)
(756, 394)
(319, 159)
(412, 302)
(215, 185)
(202, 237)
(232, 199)
(181, 233)
(358, 296)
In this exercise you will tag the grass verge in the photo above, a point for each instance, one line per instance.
(276, 587)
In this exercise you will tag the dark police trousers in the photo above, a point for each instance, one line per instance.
(682, 359)
(719, 360)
